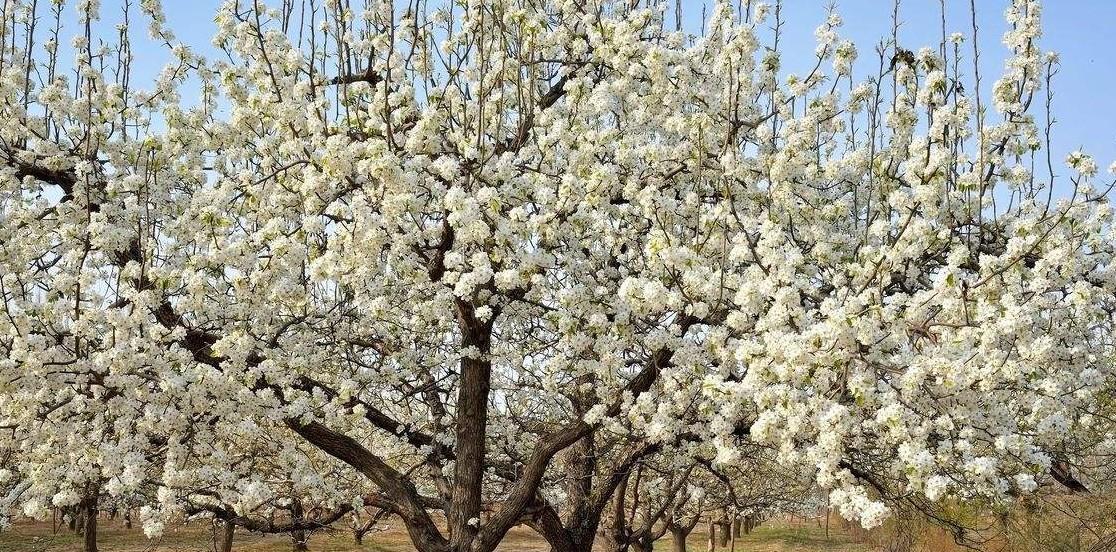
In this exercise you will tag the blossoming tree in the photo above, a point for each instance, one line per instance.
(441, 245)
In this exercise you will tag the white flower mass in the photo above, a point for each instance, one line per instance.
(418, 261)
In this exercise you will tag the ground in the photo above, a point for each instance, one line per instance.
(778, 536)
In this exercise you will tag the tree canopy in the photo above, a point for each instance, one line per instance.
(478, 260)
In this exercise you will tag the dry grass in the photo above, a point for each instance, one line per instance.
(780, 536)
(777, 536)
(1039, 525)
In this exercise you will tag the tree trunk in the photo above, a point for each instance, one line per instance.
(678, 537)
(228, 529)
(578, 461)
(723, 536)
(128, 518)
(614, 534)
(300, 536)
(89, 531)
(463, 517)
(712, 535)
(734, 532)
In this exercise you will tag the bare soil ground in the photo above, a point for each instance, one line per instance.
(198, 537)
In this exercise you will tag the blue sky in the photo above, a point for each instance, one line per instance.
(1083, 32)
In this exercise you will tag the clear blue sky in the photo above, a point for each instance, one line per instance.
(1083, 32)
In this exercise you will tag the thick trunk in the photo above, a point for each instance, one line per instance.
(228, 528)
(723, 534)
(570, 547)
(736, 524)
(579, 464)
(463, 517)
(712, 536)
(128, 518)
(579, 461)
(644, 544)
(89, 531)
(585, 537)
(560, 539)
(678, 537)
(616, 527)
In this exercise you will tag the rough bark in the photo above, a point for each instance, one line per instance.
(472, 425)
(619, 523)
(643, 544)
(678, 536)
(545, 521)
(579, 462)
(228, 529)
(299, 536)
(89, 531)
